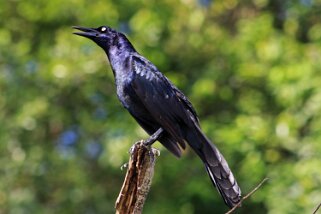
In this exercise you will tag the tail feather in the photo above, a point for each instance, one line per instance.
(216, 167)
(227, 186)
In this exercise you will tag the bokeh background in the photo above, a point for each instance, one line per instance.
(251, 69)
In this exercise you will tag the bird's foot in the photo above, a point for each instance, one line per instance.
(124, 166)
(132, 148)
(156, 152)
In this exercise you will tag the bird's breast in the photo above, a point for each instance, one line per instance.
(124, 90)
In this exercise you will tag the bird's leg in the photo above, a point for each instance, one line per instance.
(154, 137)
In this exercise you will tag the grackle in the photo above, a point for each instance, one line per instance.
(160, 108)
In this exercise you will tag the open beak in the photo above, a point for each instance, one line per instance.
(86, 32)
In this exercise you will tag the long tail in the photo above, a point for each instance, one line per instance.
(216, 167)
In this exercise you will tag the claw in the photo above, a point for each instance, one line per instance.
(156, 152)
(132, 148)
(124, 166)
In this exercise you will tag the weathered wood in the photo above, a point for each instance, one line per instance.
(138, 179)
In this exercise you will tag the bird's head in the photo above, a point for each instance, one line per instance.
(103, 36)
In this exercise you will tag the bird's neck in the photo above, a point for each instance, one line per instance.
(120, 44)
(119, 54)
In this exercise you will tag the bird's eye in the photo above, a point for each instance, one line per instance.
(103, 29)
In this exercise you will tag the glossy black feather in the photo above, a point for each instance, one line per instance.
(156, 103)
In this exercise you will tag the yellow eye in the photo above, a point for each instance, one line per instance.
(103, 29)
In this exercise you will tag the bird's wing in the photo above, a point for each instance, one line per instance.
(168, 106)
(183, 99)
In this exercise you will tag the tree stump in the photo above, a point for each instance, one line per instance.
(138, 179)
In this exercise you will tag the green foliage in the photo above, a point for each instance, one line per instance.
(251, 69)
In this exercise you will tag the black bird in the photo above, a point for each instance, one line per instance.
(160, 108)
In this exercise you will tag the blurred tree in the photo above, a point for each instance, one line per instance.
(251, 69)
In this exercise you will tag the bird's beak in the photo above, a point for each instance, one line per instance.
(86, 32)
